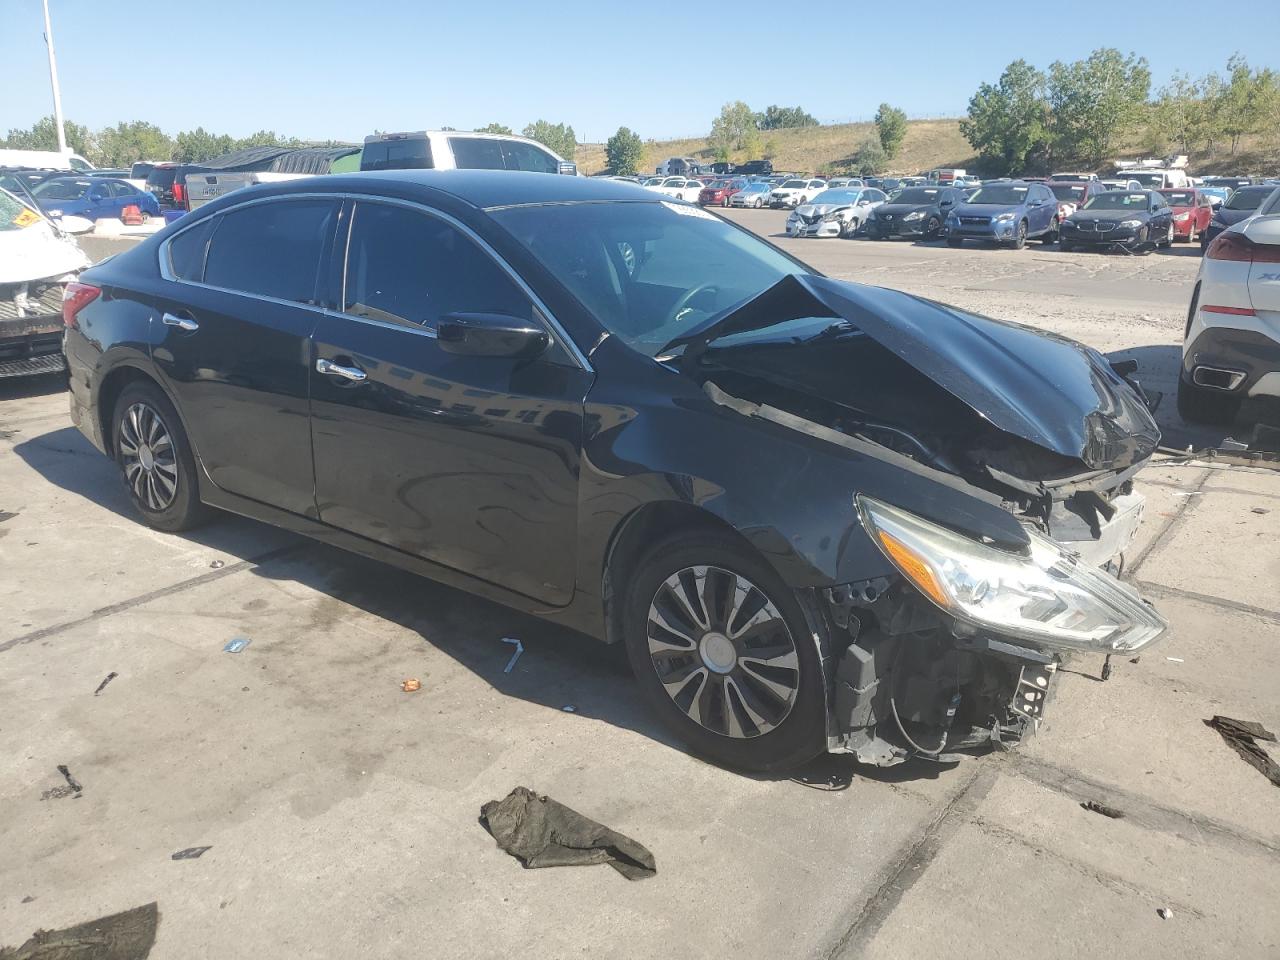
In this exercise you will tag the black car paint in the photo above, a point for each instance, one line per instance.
(1224, 216)
(565, 461)
(889, 219)
(1156, 223)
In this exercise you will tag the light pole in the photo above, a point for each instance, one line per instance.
(53, 77)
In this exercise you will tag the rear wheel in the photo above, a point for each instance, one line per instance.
(721, 651)
(1198, 405)
(155, 458)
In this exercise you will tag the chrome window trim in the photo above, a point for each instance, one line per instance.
(557, 331)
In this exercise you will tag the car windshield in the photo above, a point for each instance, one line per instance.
(61, 189)
(674, 182)
(1246, 198)
(1147, 179)
(1180, 198)
(918, 195)
(1002, 194)
(1068, 192)
(634, 265)
(14, 214)
(1116, 200)
(756, 188)
(791, 184)
(717, 185)
(837, 196)
(653, 182)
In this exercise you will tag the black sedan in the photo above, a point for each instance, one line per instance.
(916, 212)
(818, 515)
(1243, 202)
(1132, 219)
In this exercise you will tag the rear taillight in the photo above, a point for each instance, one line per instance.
(1236, 246)
(179, 194)
(75, 297)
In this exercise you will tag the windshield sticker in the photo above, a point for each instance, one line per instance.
(26, 218)
(687, 211)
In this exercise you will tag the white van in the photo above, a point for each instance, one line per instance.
(45, 160)
(459, 150)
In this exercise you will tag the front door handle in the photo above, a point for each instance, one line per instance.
(354, 374)
(182, 323)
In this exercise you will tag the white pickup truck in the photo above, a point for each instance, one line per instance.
(203, 187)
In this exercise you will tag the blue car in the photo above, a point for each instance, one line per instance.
(1010, 212)
(95, 198)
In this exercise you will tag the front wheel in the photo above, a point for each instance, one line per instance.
(850, 229)
(1167, 242)
(1052, 236)
(1020, 237)
(933, 228)
(721, 651)
(155, 457)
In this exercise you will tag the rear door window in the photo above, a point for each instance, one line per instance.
(412, 153)
(477, 153)
(271, 249)
(186, 251)
(409, 268)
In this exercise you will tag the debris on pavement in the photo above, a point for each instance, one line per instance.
(540, 832)
(1259, 510)
(412, 685)
(1134, 659)
(216, 565)
(122, 936)
(1164, 913)
(72, 789)
(1093, 806)
(1106, 668)
(1242, 736)
(569, 708)
(105, 680)
(236, 645)
(190, 853)
(515, 656)
(1175, 660)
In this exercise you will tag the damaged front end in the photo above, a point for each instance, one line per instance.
(958, 646)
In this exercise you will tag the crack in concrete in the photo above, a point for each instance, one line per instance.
(144, 598)
(910, 864)
(1160, 590)
(1166, 530)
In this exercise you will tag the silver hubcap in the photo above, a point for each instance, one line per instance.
(147, 454)
(723, 652)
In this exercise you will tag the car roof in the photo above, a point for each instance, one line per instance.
(484, 189)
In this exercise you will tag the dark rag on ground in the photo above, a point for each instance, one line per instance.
(1241, 735)
(539, 832)
(121, 936)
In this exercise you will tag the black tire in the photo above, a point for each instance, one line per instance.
(1052, 236)
(1020, 237)
(801, 734)
(954, 242)
(1198, 405)
(850, 230)
(933, 229)
(1064, 245)
(180, 509)
(1167, 242)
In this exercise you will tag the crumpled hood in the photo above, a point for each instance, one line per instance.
(820, 209)
(37, 252)
(1044, 388)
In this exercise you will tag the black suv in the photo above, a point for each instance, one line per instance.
(168, 183)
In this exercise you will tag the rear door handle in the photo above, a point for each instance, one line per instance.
(354, 374)
(182, 323)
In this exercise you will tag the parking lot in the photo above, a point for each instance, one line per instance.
(341, 812)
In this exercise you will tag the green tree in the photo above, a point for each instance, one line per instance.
(495, 128)
(870, 158)
(1181, 115)
(42, 135)
(780, 118)
(734, 129)
(193, 146)
(125, 143)
(1007, 123)
(558, 136)
(266, 138)
(891, 124)
(1095, 102)
(1243, 101)
(624, 151)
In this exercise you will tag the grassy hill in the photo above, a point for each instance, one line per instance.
(928, 144)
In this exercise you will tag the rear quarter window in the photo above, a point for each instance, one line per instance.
(186, 251)
(412, 154)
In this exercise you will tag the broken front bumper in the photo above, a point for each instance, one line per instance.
(821, 228)
(31, 331)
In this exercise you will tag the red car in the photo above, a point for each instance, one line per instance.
(1072, 194)
(719, 191)
(1192, 211)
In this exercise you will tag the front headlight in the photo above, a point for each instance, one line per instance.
(1048, 597)
(835, 216)
(1129, 223)
(1005, 217)
(918, 215)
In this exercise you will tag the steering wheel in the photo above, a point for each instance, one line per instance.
(685, 299)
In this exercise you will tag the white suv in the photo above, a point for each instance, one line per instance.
(1232, 345)
(458, 150)
(792, 193)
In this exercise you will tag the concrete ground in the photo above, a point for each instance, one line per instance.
(341, 813)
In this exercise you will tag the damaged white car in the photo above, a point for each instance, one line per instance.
(37, 259)
(834, 213)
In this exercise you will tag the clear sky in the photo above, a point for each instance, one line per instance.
(340, 69)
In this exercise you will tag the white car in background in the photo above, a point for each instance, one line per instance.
(679, 188)
(792, 193)
(844, 182)
(834, 213)
(752, 195)
(1233, 327)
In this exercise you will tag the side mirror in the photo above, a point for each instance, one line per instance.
(490, 335)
